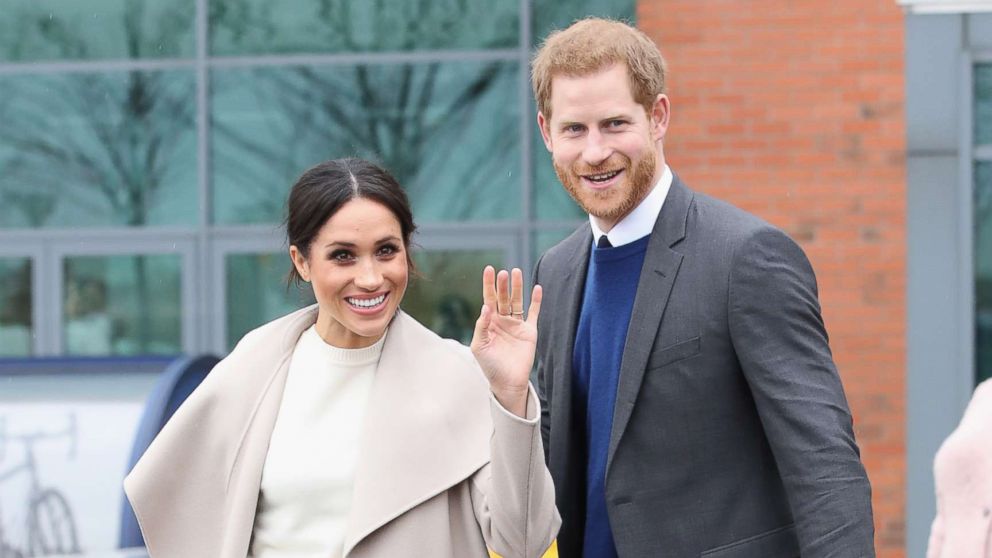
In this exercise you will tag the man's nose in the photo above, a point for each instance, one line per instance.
(596, 150)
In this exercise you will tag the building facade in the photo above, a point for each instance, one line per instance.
(146, 149)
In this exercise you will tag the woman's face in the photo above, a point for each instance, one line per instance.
(358, 269)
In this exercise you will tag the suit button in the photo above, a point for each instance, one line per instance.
(986, 512)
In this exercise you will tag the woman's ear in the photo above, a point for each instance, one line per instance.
(300, 263)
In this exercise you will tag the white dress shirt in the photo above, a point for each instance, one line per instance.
(639, 222)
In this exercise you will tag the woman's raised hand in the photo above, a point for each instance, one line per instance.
(504, 343)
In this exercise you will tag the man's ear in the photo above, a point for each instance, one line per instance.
(545, 125)
(300, 263)
(661, 112)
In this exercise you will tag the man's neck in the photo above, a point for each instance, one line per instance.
(606, 225)
(641, 218)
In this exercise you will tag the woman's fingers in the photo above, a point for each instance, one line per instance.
(503, 293)
(481, 336)
(489, 287)
(535, 305)
(517, 293)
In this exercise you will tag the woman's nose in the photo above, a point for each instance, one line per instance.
(369, 276)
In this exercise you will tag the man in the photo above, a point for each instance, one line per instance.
(692, 406)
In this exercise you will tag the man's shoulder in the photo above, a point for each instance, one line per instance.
(717, 214)
(716, 221)
(566, 250)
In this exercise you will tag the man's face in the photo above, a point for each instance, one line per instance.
(606, 149)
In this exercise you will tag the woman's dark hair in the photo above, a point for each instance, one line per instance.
(324, 189)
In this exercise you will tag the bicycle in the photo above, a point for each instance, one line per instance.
(51, 528)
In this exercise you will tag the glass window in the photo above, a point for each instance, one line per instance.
(239, 27)
(121, 305)
(98, 149)
(447, 296)
(32, 30)
(983, 104)
(549, 15)
(447, 131)
(257, 292)
(983, 269)
(15, 307)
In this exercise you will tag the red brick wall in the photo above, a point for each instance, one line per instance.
(794, 111)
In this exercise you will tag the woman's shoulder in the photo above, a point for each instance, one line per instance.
(425, 349)
(258, 354)
(284, 330)
(412, 331)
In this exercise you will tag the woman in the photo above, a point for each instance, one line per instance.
(347, 428)
(963, 476)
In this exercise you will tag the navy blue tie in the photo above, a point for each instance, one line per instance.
(604, 242)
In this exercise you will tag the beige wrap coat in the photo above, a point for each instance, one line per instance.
(443, 470)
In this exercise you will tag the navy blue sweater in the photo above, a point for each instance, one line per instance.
(611, 283)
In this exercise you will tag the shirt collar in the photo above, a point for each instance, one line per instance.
(639, 222)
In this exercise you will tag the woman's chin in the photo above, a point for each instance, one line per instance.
(369, 329)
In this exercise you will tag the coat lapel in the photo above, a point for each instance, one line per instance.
(195, 489)
(569, 299)
(246, 475)
(427, 427)
(661, 266)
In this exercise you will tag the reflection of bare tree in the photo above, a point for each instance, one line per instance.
(983, 195)
(116, 136)
(113, 147)
(88, 30)
(407, 116)
(549, 15)
(392, 114)
(264, 27)
(15, 286)
(102, 144)
(446, 297)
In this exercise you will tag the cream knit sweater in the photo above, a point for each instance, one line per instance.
(309, 470)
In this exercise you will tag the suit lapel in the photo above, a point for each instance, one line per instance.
(569, 299)
(427, 427)
(658, 274)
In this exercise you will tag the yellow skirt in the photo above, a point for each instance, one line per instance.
(551, 553)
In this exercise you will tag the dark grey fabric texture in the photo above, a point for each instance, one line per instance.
(731, 434)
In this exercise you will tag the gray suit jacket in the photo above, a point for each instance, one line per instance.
(731, 433)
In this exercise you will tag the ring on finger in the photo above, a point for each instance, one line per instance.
(517, 314)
